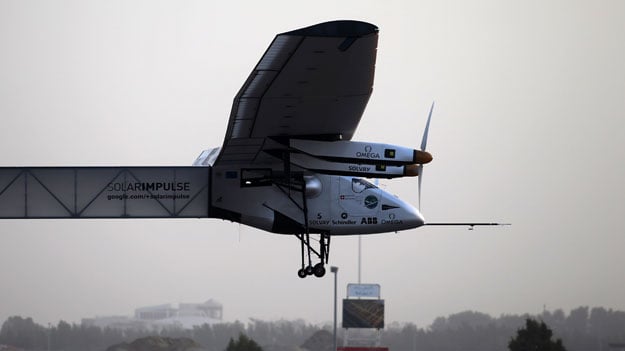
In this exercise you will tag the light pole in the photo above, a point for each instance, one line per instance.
(49, 331)
(334, 270)
(359, 255)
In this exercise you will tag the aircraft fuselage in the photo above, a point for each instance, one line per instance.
(336, 205)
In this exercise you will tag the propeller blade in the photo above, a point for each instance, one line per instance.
(420, 177)
(424, 140)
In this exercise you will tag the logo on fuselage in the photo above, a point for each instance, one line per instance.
(318, 221)
(369, 220)
(152, 186)
(371, 202)
(392, 220)
(353, 168)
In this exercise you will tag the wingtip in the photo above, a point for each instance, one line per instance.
(338, 28)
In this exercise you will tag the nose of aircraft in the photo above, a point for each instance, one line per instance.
(415, 217)
(400, 214)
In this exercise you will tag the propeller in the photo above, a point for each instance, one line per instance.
(424, 142)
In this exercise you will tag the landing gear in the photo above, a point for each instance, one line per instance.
(302, 273)
(296, 182)
(318, 270)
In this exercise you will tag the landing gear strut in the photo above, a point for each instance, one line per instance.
(297, 182)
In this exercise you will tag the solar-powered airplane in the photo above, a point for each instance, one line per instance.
(287, 164)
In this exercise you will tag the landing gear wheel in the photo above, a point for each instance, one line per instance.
(319, 270)
(302, 273)
(309, 270)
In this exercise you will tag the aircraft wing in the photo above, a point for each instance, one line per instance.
(311, 83)
(104, 192)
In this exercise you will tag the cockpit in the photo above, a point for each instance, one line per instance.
(360, 184)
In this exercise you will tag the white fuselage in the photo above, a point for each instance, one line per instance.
(340, 205)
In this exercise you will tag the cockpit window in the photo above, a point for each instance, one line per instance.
(359, 185)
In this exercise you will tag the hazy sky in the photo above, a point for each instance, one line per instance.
(528, 128)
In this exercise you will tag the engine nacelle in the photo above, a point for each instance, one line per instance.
(361, 152)
(372, 160)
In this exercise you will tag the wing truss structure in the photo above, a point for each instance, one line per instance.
(104, 192)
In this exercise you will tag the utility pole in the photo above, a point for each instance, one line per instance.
(359, 257)
(334, 270)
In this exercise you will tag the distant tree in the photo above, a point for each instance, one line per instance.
(536, 336)
(577, 321)
(223, 332)
(23, 332)
(62, 336)
(555, 320)
(243, 344)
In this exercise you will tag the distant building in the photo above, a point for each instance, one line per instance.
(211, 309)
(184, 316)
(114, 322)
(157, 312)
